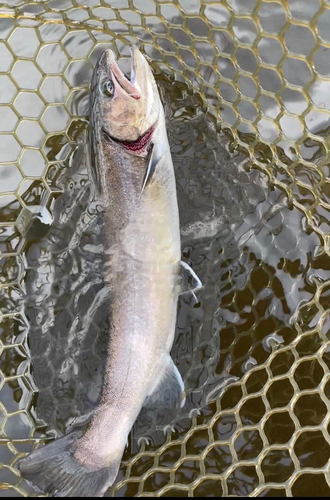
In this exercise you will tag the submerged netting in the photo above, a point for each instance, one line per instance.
(246, 89)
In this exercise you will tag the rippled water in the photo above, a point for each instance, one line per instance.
(255, 251)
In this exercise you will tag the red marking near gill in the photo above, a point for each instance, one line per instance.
(140, 144)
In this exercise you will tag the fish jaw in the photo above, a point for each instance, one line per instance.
(121, 82)
(133, 107)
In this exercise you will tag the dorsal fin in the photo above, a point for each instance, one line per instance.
(94, 161)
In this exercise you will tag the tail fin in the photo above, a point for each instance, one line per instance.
(53, 469)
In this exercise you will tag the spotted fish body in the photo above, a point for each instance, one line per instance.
(133, 174)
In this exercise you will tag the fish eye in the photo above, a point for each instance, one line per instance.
(108, 88)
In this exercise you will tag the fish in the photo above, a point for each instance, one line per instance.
(133, 175)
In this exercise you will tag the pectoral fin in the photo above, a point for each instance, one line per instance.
(189, 281)
(154, 158)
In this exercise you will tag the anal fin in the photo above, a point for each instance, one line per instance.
(168, 390)
(161, 406)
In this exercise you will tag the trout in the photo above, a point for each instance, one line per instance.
(133, 174)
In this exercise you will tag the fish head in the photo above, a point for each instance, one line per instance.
(128, 108)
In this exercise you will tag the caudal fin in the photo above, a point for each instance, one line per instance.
(53, 469)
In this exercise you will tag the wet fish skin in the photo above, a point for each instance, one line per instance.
(134, 175)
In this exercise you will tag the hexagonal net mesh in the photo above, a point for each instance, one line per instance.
(249, 80)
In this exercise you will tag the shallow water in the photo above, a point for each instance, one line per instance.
(253, 351)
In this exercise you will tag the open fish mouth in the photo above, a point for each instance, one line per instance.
(120, 79)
